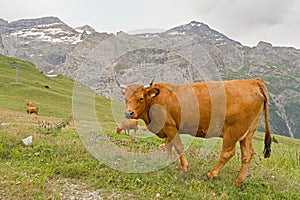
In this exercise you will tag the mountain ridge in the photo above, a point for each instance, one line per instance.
(204, 31)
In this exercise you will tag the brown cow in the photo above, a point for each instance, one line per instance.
(32, 109)
(229, 109)
(127, 125)
(29, 103)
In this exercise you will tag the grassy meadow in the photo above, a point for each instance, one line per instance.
(57, 164)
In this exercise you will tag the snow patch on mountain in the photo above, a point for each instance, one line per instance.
(48, 33)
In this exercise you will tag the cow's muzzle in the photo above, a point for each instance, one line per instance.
(129, 114)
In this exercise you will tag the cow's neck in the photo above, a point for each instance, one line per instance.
(146, 118)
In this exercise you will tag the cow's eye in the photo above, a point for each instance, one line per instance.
(141, 99)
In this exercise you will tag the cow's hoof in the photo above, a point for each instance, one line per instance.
(206, 178)
(182, 172)
(239, 184)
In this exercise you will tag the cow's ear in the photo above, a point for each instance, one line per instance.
(123, 91)
(153, 92)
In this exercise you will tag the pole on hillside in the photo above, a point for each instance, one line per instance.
(16, 65)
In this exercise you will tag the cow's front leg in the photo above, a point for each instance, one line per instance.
(168, 145)
(176, 141)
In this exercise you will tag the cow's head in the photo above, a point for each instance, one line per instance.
(118, 130)
(138, 98)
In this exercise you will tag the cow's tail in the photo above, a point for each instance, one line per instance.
(268, 139)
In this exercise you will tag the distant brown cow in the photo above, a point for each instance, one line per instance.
(32, 109)
(127, 125)
(229, 109)
(30, 103)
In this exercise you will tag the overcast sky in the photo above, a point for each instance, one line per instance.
(247, 21)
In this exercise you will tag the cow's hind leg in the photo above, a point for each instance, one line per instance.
(247, 152)
(228, 150)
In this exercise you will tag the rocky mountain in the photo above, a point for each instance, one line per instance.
(204, 31)
(43, 41)
(187, 53)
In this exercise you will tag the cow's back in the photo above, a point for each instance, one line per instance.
(228, 103)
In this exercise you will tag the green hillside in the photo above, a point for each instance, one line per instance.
(57, 165)
(51, 95)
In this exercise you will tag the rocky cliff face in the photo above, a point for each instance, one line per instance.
(187, 53)
(279, 67)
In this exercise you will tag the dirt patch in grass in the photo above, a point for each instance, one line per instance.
(75, 189)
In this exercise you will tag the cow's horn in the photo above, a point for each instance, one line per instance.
(121, 86)
(150, 83)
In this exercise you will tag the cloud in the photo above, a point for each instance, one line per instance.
(14, 9)
(247, 21)
(251, 12)
(250, 21)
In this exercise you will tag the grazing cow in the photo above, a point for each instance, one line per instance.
(127, 125)
(231, 110)
(32, 109)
